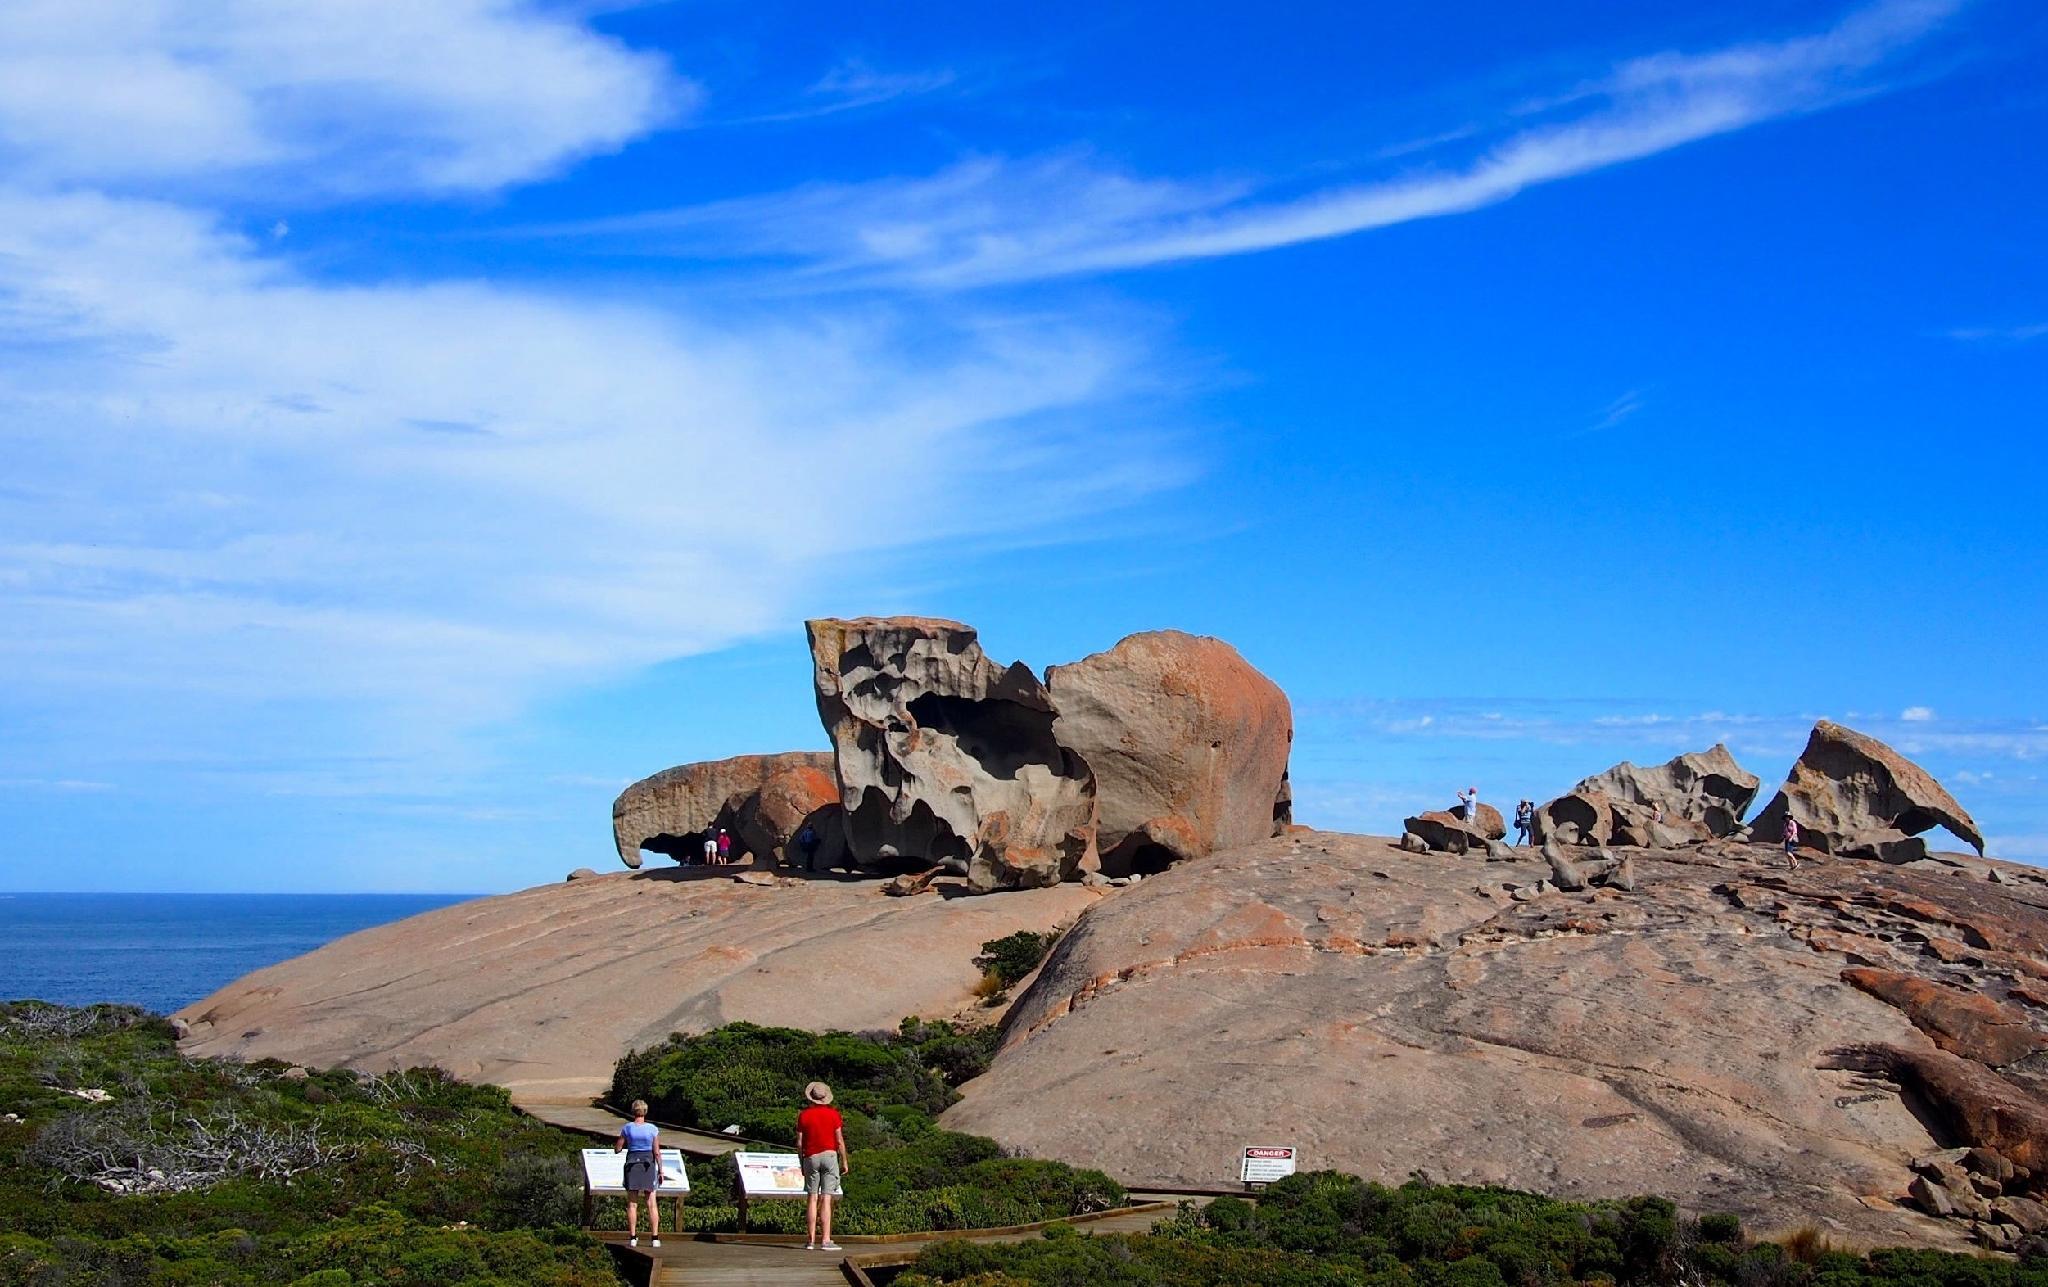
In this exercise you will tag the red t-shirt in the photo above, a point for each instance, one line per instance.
(817, 1130)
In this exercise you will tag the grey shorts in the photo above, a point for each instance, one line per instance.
(821, 1174)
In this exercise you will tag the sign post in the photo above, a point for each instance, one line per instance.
(1264, 1163)
(767, 1175)
(604, 1173)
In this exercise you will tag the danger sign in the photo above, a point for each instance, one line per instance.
(1266, 1163)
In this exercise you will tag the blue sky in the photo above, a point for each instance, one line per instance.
(422, 419)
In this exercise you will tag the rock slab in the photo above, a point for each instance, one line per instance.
(1846, 785)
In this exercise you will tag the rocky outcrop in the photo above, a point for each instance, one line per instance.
(1450, 832)
(944, 757)
(1969, 1024)
(1187, 744)
(1845, 786)
(1386, 1010)
(543, 990)
(1685, 800)
(764, 801)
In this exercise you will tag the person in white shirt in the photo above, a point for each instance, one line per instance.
(1468, 801)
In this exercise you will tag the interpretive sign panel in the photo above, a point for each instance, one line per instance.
(604, 1171)
(1264, 1164)
(770, 1175)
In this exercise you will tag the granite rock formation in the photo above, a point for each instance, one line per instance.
(944, 757)
(1687, 799)
(1187, 744)
(542, 990)
(1845, 786)
(1695, 1037)
(1447, 831)
(764, 801)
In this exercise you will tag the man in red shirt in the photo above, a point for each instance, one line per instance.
(821, 1143)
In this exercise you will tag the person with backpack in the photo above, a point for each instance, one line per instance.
(807, 844)
(1791, 842)
(1525, 822)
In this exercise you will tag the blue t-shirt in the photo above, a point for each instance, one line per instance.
(640, 1136)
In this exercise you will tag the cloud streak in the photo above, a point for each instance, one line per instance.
(348, 96)
(1005, 221)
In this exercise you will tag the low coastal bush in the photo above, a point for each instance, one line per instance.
(908, 1174)
(133, 1164)
(753, 1077)
(1322, 1229)
(1005, 962)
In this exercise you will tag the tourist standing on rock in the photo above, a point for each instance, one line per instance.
(640, 1140)
(1791, 842)
(821, 1141)
(710, 848)
(807, 843)
(724, 845)
(1468, 804)
(1525, 821)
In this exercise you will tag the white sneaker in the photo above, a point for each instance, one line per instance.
(828, 1246)
(632, 1242)
(654, 1242)
(810, 1246)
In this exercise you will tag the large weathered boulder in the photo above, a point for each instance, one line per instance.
(945, 757)
(1845, 784)
(763, 800)
(1187, 743)
(1705, 787)
(1690, 798)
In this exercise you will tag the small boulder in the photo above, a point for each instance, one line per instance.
(1413, 843)
(1991, 1162)
(2026, 1214)
(582, 873)
(1564, 873)
(295, 1073)
(1930, 1197)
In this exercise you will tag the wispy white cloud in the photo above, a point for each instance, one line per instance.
(1616, 411)
(252, 513)
(2000, 334)
(1003, 221)
(345, 95)
(1917, 714)
(854, 84)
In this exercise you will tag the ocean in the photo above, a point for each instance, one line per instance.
(164, 951)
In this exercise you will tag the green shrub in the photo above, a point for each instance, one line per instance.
(413, 1177)
(1004, 962)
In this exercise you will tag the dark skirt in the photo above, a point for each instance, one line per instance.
(643, 1169)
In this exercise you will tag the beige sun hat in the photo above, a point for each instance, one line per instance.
(818, 1093)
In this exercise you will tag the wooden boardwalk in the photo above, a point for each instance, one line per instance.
(586, 1118)
(688, 1261)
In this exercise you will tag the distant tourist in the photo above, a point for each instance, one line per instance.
(710, 849)
(1791, 842)
(1525, 821)
(821, 1141)
(1468, 804)
(724, 845)
(807, 843)
(640, 1140)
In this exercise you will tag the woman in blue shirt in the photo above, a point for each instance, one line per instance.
(640, 1139)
